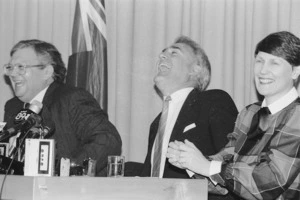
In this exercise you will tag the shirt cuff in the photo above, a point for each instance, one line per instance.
(215, 167)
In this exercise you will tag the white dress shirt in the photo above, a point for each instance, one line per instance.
(40, 96)
(175, 105)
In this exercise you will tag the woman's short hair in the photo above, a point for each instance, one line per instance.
(281, 44)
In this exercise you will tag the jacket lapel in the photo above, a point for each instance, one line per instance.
(47, 104)
(186, 114)
(49, 97)
(11, 110)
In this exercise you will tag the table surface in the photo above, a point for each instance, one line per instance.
(91, 188)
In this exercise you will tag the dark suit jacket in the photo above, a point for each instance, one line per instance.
(213, 112)
(82, 129)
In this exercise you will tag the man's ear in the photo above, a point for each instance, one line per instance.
(196, 68)
(296, 72)
(49, 70)
(194, 71)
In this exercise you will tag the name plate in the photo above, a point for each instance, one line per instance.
(39, 157)
(4, 149)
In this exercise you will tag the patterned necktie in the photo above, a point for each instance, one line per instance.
(255, 132)
(159, 138)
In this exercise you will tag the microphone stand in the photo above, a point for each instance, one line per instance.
(40, 133)
(11, 162)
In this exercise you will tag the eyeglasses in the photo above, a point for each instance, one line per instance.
(21, 68)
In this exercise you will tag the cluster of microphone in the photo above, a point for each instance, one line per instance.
(29, 123)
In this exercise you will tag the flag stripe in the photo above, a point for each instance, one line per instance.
(87, 10)
(99, 8)
(88, 63)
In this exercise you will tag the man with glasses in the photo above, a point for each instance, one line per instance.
(9, 68)
(82, 129)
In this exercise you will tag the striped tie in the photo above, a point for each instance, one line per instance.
(159, 138)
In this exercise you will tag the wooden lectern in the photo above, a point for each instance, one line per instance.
(92, 188)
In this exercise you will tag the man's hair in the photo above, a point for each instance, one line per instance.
(48, 53)
(203, 75)
(281, 44)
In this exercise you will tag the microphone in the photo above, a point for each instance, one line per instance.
(42, 131)
(47, 130)
(24, 120)
(34, 108)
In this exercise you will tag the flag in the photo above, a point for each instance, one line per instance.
(87, 66)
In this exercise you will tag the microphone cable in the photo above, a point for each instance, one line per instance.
(11, 162)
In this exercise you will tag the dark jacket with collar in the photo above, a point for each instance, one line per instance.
(82, 129)
(213, 113)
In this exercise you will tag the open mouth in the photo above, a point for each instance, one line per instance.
(17, 83)
(265, 80)
(163, 67)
